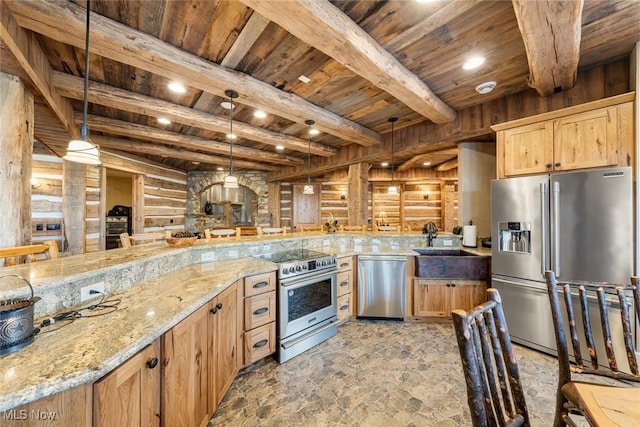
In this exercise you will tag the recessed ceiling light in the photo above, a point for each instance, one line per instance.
(426, 164)
(313, 131)
(473, 63)
(384, 164)
(227, 105)
(164, 121)
(279, 147)
(195, 163)
(485, 87)
(304, 79)
(219, 168)
(260, 114)
(177, 87)
(231, 136)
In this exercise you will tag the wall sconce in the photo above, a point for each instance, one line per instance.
(343, 196)
(35, 183)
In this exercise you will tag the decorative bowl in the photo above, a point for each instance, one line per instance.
(181, 242)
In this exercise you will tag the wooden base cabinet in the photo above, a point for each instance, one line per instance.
(437, 297)
(345, 288)
(259, 317)
(130, 394)
(199, 361)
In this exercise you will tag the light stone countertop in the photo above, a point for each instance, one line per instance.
(170, 285)
(88, 348)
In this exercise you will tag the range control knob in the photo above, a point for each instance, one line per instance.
(285, 270)
(298, 268)
(304, 267)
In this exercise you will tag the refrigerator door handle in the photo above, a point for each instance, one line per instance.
(545, 226)
(556, 228)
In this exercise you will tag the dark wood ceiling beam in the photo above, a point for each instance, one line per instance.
(64, 21)
(25, 48)
(137, 147)
(427, 156)
(146, 133)
(109, 96)
(551, 31)
(322, 25)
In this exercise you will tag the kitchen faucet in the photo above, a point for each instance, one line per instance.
(432, 231)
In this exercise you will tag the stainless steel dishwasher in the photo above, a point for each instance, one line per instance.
(382, 286)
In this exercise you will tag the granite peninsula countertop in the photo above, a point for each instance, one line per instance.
(166, 285)
(88, 348)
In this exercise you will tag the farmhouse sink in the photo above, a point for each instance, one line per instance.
(451, 264)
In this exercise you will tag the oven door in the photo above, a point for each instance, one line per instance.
(305, 302)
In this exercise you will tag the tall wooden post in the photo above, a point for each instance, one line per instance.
(74, 201)
(357, 200)
(16, 148)
(274, 204)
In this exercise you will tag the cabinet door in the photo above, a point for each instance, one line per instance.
(130, 394)
(225, 341)
(526, 149)
(186, 355)
(586, 140)
(466, 294)
(431, 298)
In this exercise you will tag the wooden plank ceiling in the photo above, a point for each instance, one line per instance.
(366, 61)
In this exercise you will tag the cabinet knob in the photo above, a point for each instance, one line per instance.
(557, 164)
(549, 165)
(448, 285)
(214, 310)
(453, 285)
(152, 363)
(219, 306)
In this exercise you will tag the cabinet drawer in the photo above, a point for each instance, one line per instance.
(344, 307)
(259, 343)
(344, 282)
(259, 284)
(345, 263)
(259, 310)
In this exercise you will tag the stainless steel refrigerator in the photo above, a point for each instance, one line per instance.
(578, 224)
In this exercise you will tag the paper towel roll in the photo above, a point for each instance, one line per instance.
(469, 236)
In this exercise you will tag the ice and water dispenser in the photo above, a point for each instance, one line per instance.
(514, 237)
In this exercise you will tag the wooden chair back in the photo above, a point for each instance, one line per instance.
(586, 306)
(222, 232)
(272, 230)
(127, 240)
(353, 229)
(494, 392)
(308, 228)
(248, 231)
(29, 253)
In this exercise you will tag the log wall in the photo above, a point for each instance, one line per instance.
(46, 197)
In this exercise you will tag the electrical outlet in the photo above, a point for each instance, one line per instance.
(85, 291)
(208, 257)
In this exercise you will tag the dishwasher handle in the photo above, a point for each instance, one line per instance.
(382, 258)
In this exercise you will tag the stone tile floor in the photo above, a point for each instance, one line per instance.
(375, 373)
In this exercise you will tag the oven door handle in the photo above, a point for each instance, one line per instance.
(298, 340)
(296, 281)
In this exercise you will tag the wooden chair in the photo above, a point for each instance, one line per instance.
(600, 404)
(308, 228)
(353, 229)
(248, 231)
(271, 231)
(222, 232)
(127, 240)
(494, 391)
(29, 253)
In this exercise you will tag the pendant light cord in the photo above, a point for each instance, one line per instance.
(231, 135)
(392, 120)
(84, 128)
(309, 123)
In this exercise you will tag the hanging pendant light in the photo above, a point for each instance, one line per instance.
(392, 188)
(82, 150)
(230, 181)
(308, 189)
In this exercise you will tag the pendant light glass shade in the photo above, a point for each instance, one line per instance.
(308, 189)
(82, 150)
(392, 188)
(231, 181)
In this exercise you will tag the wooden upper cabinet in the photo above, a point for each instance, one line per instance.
(596, 134)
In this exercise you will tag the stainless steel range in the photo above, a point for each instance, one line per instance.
(307, 300)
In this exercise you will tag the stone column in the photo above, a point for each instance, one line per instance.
(16, 148)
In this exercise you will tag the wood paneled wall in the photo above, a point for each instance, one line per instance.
(46, 197)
